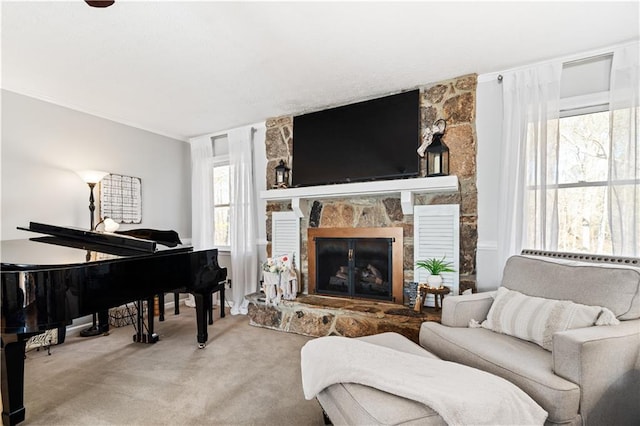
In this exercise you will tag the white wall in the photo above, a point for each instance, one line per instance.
(42, 146)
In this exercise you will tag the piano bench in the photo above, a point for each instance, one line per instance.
(176, 302)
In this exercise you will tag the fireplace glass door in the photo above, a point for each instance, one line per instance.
(354, 267)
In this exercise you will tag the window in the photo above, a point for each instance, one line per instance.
(582, 183)
(221, 192)
(585, 177)
(221, 217)
(570, 159)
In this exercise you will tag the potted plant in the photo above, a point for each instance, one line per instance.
(435, 267)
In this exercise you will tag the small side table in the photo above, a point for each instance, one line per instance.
(438, 293)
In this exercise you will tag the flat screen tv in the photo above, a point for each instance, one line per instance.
(371, 140)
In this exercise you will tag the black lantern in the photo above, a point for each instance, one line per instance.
(282, 175)
(438, 152)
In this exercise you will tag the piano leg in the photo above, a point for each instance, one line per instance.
(222, 300)
(144, 330)
(218, 288)
(210, 308)
(13, 349)
(203, 301)
(103, 320)
(161, 306)
(176, 303)
(151, 336)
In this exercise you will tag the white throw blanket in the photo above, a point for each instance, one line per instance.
(461, 395)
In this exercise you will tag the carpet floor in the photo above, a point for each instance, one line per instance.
(245, 376)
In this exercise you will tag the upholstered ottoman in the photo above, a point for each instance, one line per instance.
(391, 368)
(354, 404)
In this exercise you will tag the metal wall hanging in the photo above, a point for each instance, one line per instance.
(121, 198)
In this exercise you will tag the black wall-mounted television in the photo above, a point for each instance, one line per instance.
(371, 140)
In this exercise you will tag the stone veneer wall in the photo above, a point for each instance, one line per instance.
(455, 101)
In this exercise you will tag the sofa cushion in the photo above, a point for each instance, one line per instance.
(613, 286)
(535, 318)
(523, 363)
(355, 404)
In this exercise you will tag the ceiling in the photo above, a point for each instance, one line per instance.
(184, 69)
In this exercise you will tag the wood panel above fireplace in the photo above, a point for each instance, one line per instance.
(394, 271)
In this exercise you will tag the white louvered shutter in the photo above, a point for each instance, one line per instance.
(285, 235)
(436, 234)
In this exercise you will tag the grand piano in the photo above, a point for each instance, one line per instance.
(47, 281)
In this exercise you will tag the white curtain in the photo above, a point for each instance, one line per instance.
(243, 213)
(202, 224)
(529, 156)
(624, 156)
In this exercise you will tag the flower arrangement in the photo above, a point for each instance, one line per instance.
(276, 265)
(279, 280)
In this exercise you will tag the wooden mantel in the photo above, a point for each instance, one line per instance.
(405, 187)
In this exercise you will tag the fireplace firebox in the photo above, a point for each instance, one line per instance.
(356, 262)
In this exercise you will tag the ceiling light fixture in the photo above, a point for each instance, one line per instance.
(99, 3)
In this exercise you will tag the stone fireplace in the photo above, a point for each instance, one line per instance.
(452, 100)
(363, 263)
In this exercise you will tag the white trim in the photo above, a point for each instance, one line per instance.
(405, 187)
(598, 100)
(220, 160)
(406, 202)
(295, 206)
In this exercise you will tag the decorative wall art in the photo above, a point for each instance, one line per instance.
(121, 198)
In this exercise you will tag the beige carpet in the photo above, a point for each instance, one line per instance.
(245, 376)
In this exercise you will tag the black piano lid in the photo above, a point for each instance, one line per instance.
(93, 237)
(53, 253)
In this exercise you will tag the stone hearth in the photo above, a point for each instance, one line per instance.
(317, 316)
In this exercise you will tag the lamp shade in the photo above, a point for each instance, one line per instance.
(110, 225)
(91, 176)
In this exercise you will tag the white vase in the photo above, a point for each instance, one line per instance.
(434, 281)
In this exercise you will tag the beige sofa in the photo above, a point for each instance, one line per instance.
(587, 375)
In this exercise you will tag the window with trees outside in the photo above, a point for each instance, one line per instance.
(221, 192)
(580, 173)
(582, 182)
(221, 205)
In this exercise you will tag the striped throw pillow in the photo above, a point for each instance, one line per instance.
(535, 319)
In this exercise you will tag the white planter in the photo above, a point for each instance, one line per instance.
(434, 281)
